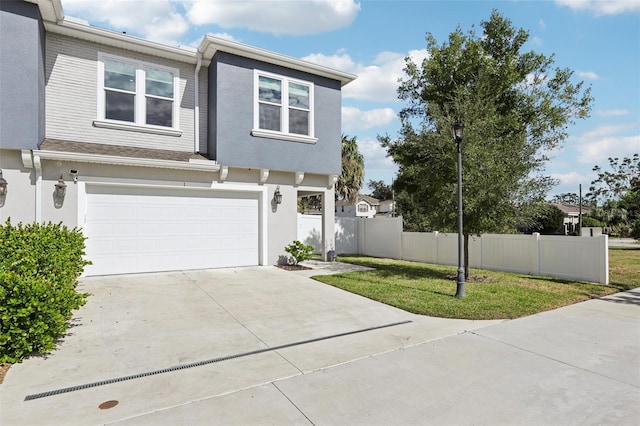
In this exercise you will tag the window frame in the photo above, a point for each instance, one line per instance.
(140, 98)
(284, 112)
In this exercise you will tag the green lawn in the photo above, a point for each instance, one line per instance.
(429, 289)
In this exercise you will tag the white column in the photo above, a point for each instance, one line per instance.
(328, 222)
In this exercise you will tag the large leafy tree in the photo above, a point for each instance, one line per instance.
(550, 221)
(381, 190)
(568, 198)
(615, 183)
(515, 108)
(352, 176)
(617, 194)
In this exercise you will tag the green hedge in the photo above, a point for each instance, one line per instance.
(588, 221)
(39, 270)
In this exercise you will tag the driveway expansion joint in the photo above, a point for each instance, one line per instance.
(554, 359)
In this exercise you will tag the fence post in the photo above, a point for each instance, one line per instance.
(604, 260)
(435, 239)
(536, 235)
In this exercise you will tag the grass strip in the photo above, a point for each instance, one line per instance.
(428, 289)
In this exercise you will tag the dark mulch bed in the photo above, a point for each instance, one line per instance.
(3, 370)
(473, 278)
(293, 267)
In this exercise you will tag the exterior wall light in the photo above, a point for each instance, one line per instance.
(3, 185)
(59, 193)
(277, 196)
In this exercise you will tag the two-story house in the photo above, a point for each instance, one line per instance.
(365, 206)
(167, 158)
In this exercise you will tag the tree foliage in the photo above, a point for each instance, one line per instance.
(381, 190)
(550, 221)
(567, 198)
(515, 108)
(614, 184)
(617, 193)
(352, 176)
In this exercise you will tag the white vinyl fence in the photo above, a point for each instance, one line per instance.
(575, 258)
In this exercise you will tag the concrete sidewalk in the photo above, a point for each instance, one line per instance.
(624, 242)
(313, 354)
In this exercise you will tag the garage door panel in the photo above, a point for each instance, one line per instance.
(153, 229)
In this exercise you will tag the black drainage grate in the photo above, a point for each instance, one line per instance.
(201, 363)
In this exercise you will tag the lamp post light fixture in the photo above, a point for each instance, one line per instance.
(458, 134)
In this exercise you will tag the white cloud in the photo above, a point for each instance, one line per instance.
(356, 119)
(156, 20)
(377, 165)
(611, 146)
(275, 16)
(536, 41)
(571, 179)
(570, 183)
(588, 75)
(603, 7)
(225, 36)
(612, 112)
(377, 81)
(602, 142)
(340, 61)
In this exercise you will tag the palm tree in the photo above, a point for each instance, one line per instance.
(352, 176)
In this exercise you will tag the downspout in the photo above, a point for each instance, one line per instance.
(37, 165)
(196, 107)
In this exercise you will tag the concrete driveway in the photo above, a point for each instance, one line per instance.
(267, 346)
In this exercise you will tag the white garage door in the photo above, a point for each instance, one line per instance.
(134, 229)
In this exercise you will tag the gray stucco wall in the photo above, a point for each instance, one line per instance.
(231, 106)
(22, 82)
(19, 203)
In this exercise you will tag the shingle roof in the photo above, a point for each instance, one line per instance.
(117, 150)
(571, 210)
(368, 198)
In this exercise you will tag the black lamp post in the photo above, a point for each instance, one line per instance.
(458, 133)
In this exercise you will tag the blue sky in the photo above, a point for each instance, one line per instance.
(598, 39)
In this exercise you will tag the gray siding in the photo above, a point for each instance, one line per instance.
(72, 81)
(21, 76)
(231, 120)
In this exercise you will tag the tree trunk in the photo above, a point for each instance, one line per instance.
(466, 256)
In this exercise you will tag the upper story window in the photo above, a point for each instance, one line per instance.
(135, 93)
(363, 208)
(283, 108)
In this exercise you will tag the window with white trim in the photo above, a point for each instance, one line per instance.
(363, 208)
(283, 108)
(135, 93)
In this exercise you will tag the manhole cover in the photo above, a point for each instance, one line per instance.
(108, 404)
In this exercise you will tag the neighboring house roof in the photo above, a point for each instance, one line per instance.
(55, 21)
(367, 198)
(569, 210)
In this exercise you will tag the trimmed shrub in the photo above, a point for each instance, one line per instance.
(299, 251)
(635, 229)
(39, 270)
(589, 222)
